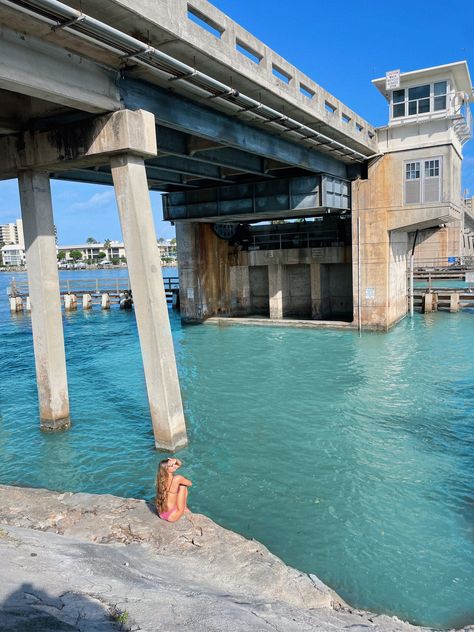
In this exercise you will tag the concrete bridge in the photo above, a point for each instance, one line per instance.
(174, 96)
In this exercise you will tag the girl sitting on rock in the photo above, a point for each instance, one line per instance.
(171, 491)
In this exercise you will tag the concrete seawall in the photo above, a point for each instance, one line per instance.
(85, 562)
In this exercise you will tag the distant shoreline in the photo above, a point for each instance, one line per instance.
(93, 267)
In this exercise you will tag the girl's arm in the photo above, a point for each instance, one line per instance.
(181, 480)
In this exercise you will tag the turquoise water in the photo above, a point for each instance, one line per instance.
(351, 458)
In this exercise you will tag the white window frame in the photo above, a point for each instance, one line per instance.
(422, 179)
(431, 97)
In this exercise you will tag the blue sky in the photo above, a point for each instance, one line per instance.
(340, 45)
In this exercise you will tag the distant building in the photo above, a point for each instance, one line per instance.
(12, 233)
(91, 252)
(167, 249)
(116, 250)
(13, 255)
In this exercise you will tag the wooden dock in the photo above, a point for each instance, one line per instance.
(89, 292)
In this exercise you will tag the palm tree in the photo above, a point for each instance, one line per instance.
(107, 244)
(91, 240)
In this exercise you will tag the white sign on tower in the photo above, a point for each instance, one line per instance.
(392, 79)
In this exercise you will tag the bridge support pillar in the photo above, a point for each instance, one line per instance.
(133, 200)
(46, 317)
(277, 289)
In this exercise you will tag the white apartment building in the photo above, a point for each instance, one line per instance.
(12, 233)
(91, 252)
(13, 255)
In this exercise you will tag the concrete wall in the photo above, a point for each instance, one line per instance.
(337, 291)
(215, 278)
(297, 301)
(397, 275)
(204, 274)
(259, 291)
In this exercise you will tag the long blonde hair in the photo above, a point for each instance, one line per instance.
(162, 478)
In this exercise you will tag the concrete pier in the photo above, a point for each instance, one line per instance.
(46, 318)
(105, 301)
(277, 290)
(70, 302)
(133, 200)
(16, 304)
(86, 301)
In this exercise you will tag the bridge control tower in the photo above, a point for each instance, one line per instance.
(414, 184)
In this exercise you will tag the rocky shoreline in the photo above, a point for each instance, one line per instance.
(94, 563)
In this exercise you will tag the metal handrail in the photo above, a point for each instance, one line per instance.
(90, 286)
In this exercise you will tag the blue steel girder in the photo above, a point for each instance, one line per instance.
(175, 143)
(174, 111)
(253, 202)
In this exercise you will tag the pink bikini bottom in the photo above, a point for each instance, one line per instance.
(164, 515)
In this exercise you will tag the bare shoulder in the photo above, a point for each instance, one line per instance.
(182, 480)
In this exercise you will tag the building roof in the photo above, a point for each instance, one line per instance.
(458, 69)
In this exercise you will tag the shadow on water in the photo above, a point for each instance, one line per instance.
(31, 609)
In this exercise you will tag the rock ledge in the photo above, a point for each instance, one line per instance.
(84, 562)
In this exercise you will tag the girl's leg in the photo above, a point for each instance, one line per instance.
(180, 504)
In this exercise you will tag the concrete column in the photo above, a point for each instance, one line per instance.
(46, 317)
(316, 308)
(70, 302)
(239, 280)
(105, 301)
(454, 303)
(86, 301)
(16, 304)
(427, 303)
(276, 290)
(204, 275)
(190, 287)
(133, 200)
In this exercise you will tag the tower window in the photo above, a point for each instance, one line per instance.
(430, 97)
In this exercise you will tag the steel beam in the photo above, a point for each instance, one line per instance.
(175, 143)
(189, 167)
(286, 197)
(172, 110)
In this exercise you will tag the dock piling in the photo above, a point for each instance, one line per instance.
(105, 301)
(70, 302)
(16, 304)
(454, 303)
(86, 301)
